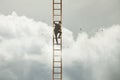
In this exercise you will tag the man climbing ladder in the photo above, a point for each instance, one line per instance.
(57, 40)
(57, 30)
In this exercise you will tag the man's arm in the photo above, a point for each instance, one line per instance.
(54, 22)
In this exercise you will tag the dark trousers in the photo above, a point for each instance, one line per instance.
(56, 33)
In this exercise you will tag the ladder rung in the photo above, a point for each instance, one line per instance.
(57, 55)
(57, 78)
(57, 3)
(57, 38)
(57, 49)
(57, 67)
(56, 20)
(57, 72)
(57, 44)
(57, 15)
(56, 61)
(56, 9)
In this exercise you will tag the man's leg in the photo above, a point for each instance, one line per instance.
(59, 34)
(56, 37)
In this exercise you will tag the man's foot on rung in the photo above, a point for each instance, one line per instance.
(59, 37)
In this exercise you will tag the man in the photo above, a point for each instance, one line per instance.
(57, 30)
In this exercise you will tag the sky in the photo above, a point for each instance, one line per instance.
(26, 40)
(89, 15)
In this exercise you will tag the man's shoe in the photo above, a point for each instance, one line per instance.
(59, 37)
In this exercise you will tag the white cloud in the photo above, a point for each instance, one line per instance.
(97, 56)
(26, 50)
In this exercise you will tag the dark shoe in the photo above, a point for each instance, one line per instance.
(59, 37)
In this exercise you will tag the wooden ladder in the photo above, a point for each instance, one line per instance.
(57, 48)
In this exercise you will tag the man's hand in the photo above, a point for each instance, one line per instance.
(54, 22)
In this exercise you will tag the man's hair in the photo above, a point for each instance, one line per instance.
(59, 21)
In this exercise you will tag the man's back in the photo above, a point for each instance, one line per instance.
(57, 27)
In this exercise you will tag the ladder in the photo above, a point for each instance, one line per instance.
(57, 48)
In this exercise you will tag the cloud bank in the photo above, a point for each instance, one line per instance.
(26, 51)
